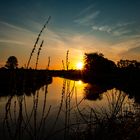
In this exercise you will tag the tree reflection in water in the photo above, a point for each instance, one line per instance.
(93, 92)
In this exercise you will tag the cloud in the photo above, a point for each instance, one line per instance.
(86, 10)
(132, 53)
(119, 29)
(87, 16)
(11, 41)
(126, 49)
(87, 19)
(93, 18)
(135, 50)
(10, 33)
(5, 24)
(104, 28)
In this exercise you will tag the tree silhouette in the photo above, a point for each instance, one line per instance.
(128, 64)
(96, 64)
(11, 62)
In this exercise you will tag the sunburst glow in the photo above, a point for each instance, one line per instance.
(79, 65)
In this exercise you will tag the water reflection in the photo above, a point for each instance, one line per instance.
(60, 110)
(19, 88)
(23, 119)
(93, 92)
(80, 82)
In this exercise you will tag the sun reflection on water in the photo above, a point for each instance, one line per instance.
(80, 82)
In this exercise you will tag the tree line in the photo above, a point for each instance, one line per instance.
(94, 64)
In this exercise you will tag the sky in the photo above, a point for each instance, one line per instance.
(111, 27)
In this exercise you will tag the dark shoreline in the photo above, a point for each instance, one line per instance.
(29, 80)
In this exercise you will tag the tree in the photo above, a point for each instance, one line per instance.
(11, 63)
(128, 64)
(96, 64)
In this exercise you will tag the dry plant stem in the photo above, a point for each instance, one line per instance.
(18, 131)
(63, 65)
(15, 111)
(27, 124)
(44, 117)
(38, 54)
(83, 117)
(49, 60)
(67, 60)
(44, 107)
(36, 42)
(35, 114)
(6, 122)
(66, 111)
(44, 121)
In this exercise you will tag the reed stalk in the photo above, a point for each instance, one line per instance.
(48, 65)
(38, 54)
(36, 42)
(67, 60)
(63, 65)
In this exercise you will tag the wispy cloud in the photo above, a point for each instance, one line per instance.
(115, 30)
(104, 28)
(88, 19)
(85, 11)
(12, 33)
(5, 26)
(93, 17)
(87, 16)
(132, 53)
(11, 42)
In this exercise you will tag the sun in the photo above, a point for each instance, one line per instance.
(79, 65)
